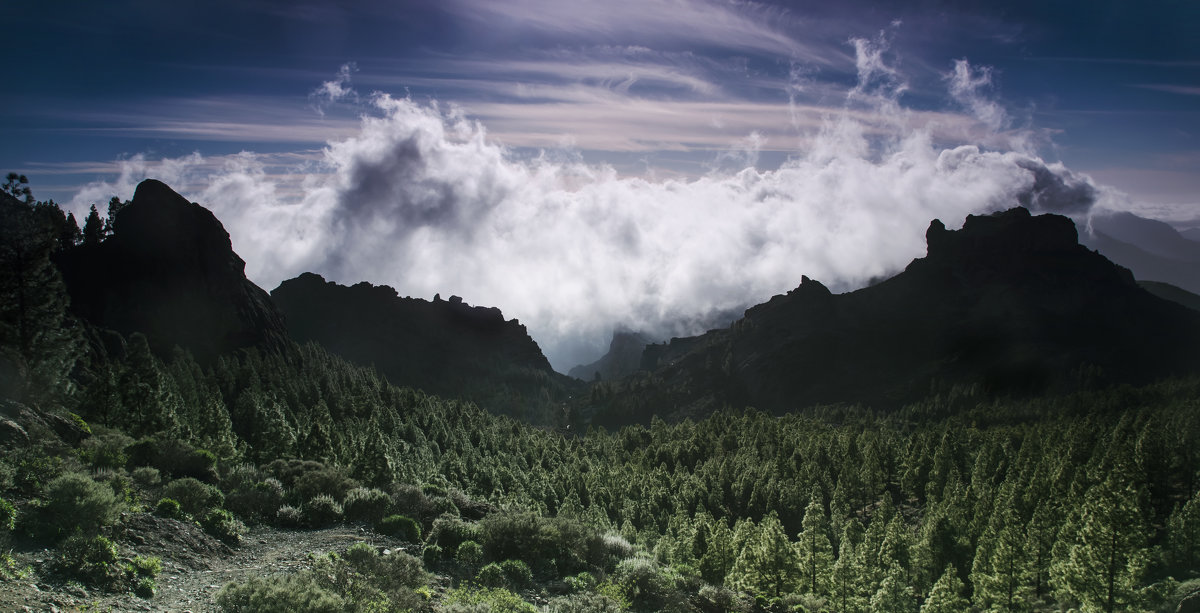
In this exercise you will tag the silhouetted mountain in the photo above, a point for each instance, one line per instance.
(624, 358)
(169, 271)
(1008, 305)
(1153, 250)
(443, 347)
(1166, 291)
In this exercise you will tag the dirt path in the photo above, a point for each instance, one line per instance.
(194, 566)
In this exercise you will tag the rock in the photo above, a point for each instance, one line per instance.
(169, 272)
(1190, 603)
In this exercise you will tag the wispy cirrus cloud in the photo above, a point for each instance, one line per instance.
(1186, 90)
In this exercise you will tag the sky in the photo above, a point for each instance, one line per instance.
(654, 165)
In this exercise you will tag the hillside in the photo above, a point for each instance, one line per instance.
(445, 347)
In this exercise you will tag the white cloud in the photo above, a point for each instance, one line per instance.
(421, 198)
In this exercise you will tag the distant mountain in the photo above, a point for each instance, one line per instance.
(1009, 305)
(1152, 249)
(445, 347)
(169, 271)
(1166, 291)
(624, 358)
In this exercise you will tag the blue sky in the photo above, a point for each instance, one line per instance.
(675, 150)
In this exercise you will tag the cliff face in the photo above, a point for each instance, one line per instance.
(1009, 304)
(169, 271)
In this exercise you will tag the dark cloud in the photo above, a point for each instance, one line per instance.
(1056, 190)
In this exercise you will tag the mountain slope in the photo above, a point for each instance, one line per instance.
(1011, 304)
(169, 271)
(443, 347)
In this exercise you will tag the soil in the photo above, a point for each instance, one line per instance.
(194, 565)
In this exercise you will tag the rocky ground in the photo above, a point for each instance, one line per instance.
(195, 565)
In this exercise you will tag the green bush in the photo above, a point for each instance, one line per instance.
(168, 507)
(222, 525)
(449, 532)
(550, 545)
(469, 552)
(147, 477)
(105, 450)
(76, 502)
(517, 572)
(289, 517)
(491, 575)
(332, 482)
(8, 516)
(476, 600)
(321, 511)
(296, 593)
(366, 505)
(432, 555)
(91, 560)
(145, 587)
(261, 499)
(194, 496)
(401, 527)
(647, 586)
(584, 603)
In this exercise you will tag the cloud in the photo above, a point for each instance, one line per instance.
(337, 90)
(422, 198)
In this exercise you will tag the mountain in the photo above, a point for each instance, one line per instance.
(1153, 250)
(446, 347)
(169, 272)
(1011, 304)
(1166, 291)
(624, 357)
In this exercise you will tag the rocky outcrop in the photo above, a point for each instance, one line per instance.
(169, 271)
(624, 357)
(1011, 304)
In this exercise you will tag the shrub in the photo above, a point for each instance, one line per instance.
(289, 517)
(491, 575)
(411, 500)
(221, 524)
(296, 593)
(194, 496)
(331, 482)
(260, 499)
(582, 582)
(321, 511)
(475, 600)
(147, 567)
(646, 586)
(241, 476)
(469, 552)
(584, 603)
(168, 507)
(91, 560)
(401, 527)
(721, 598)
(551, 545)
(147, 477)
(75, 502)
(8, 516)
(449, 532)
(517, 573)
(432, 555)
(366, 505)
(391, 573)
(145, 587)
(105, 450)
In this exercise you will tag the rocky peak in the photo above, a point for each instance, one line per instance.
(169, 271)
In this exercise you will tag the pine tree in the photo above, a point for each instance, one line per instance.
(846, 578)
(1103, 566)
(768, 565)
(946, 595)
(1183, 535)
(93, 228)
(814, 550)
(1001, 567)
(37, 335)
(894, 594)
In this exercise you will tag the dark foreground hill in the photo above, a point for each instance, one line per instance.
(1009, 305)
(446, 347)
(169, 271)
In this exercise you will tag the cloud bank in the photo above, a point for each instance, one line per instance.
(421, 199)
